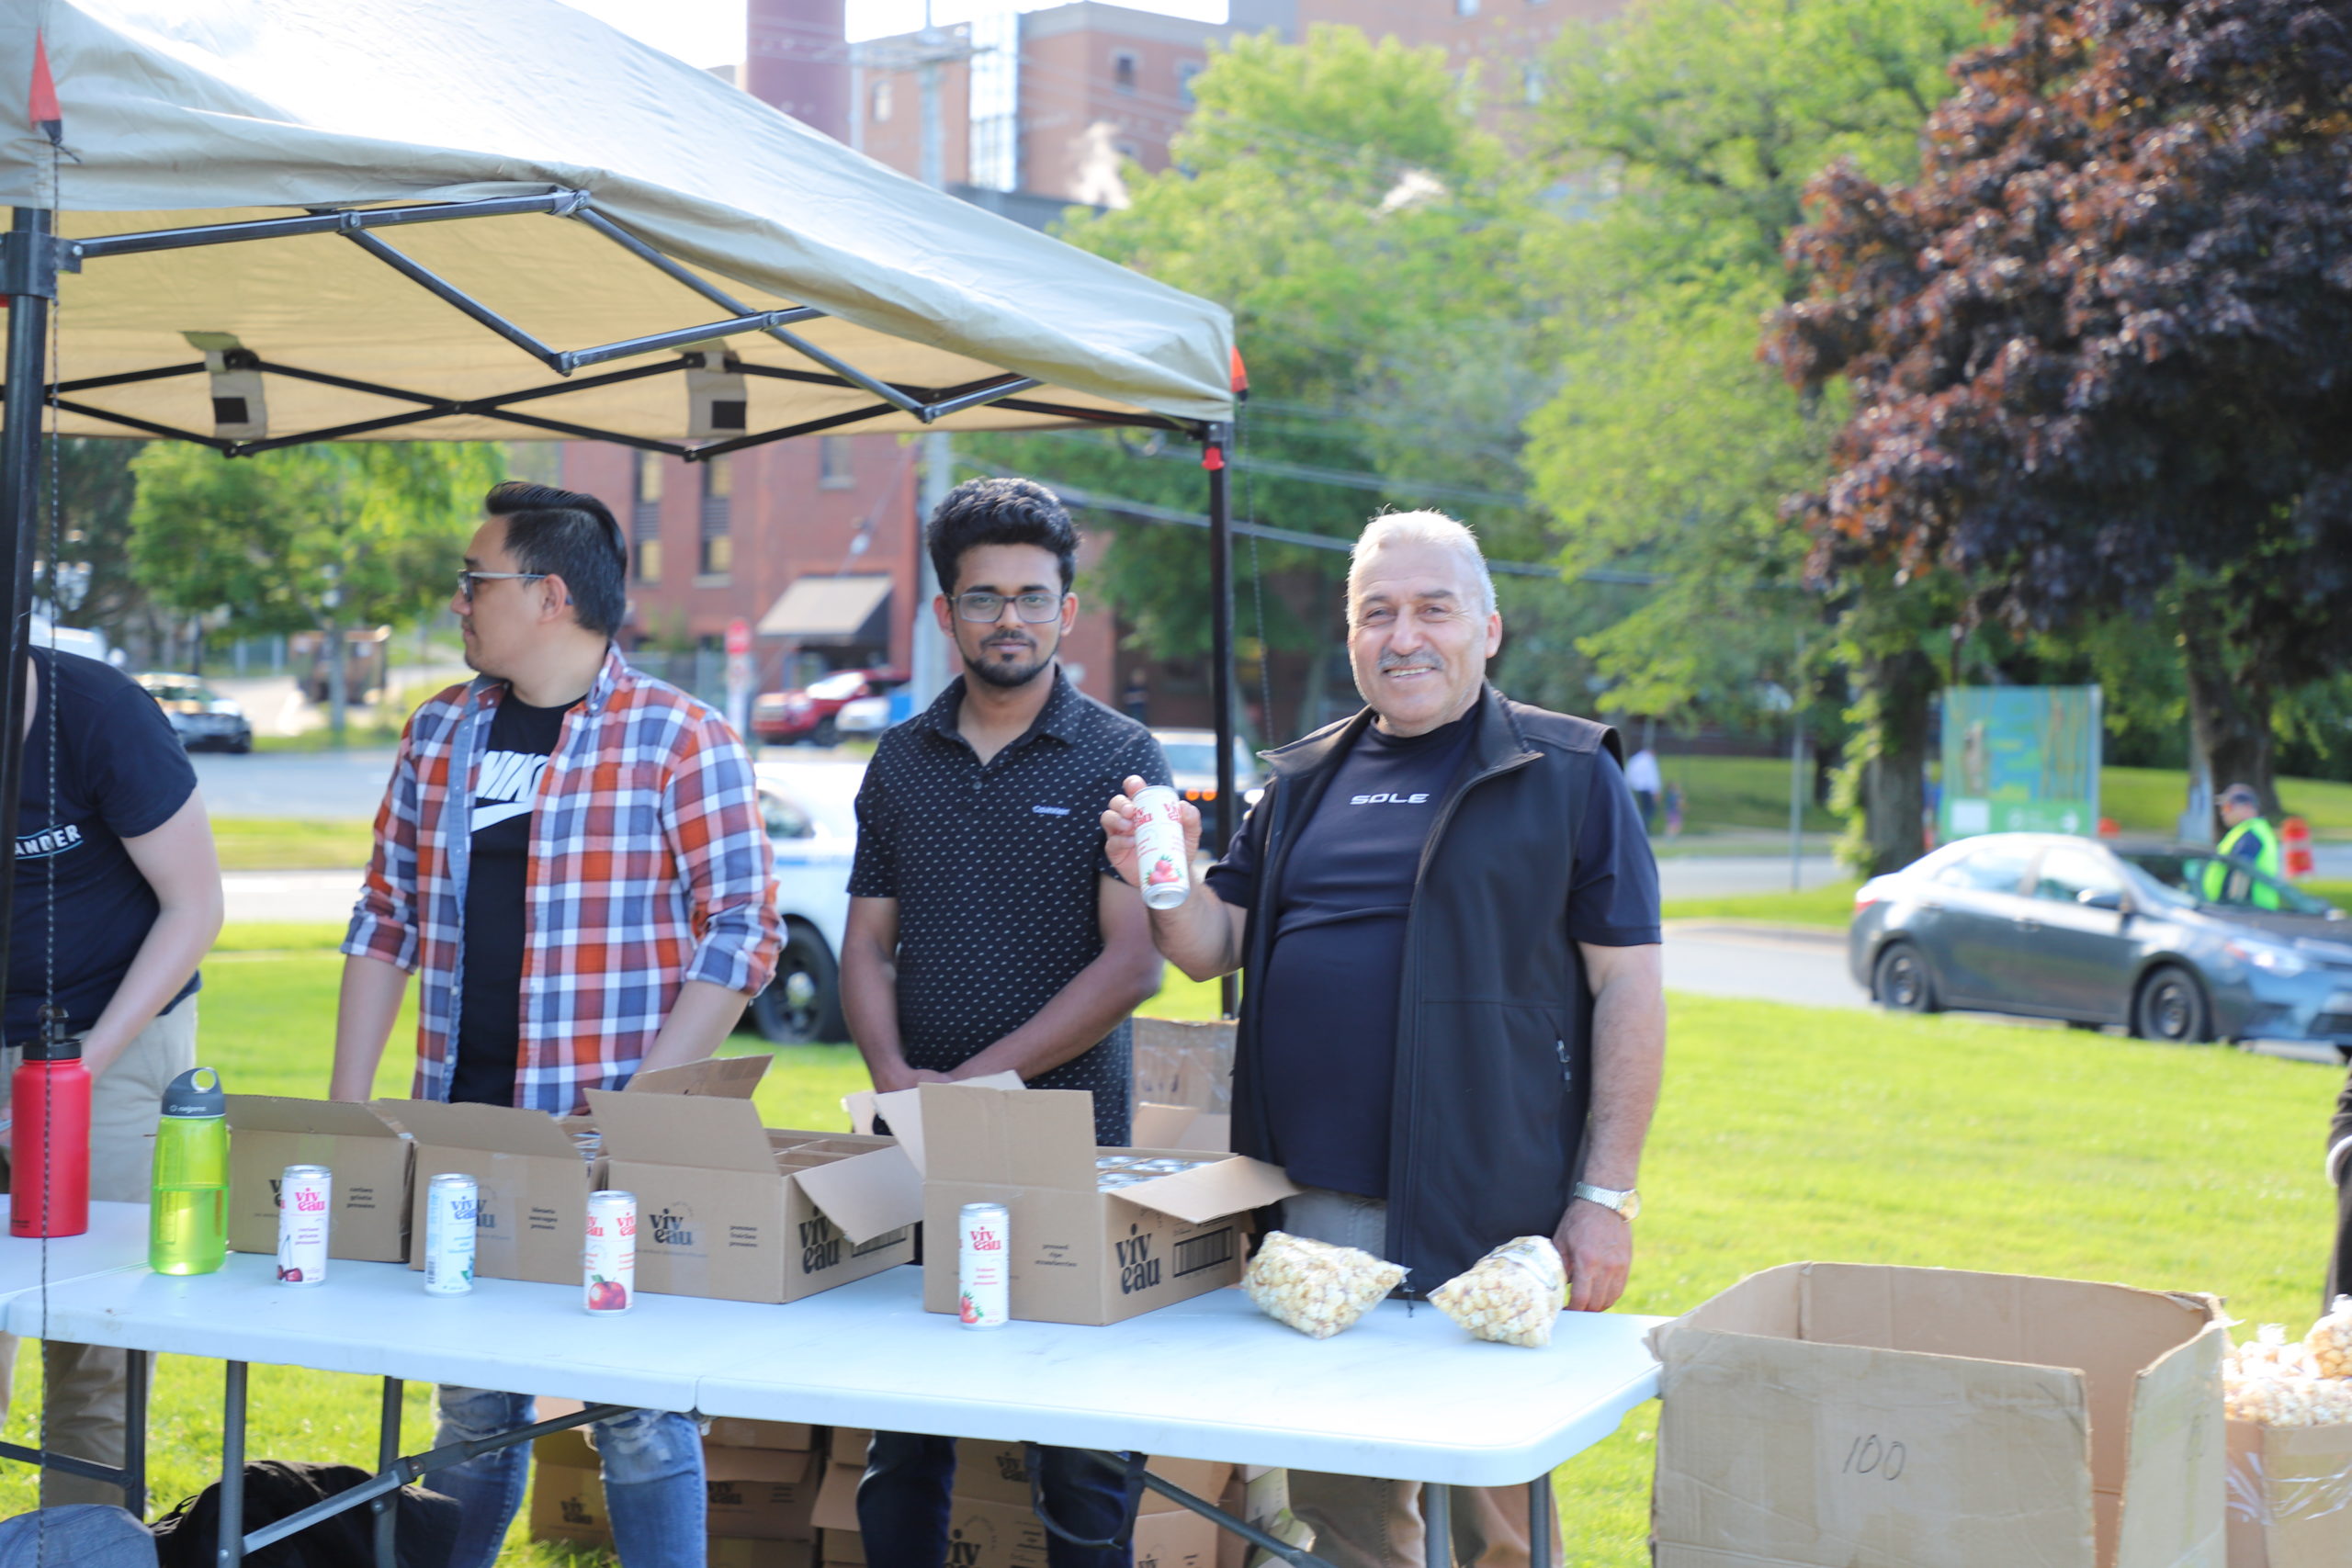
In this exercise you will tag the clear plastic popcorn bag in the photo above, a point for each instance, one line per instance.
(1314, 1287)
(1512, 1295)
(2330, 1340)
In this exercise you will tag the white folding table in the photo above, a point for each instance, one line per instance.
(1405, 1393)
(116, 1239)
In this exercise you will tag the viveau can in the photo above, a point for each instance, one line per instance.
(1160, 848)
(305, 1196)
(450, 1203)
(984, 1282)
(611, 1256)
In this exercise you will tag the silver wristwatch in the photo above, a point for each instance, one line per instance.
(1627, 1201)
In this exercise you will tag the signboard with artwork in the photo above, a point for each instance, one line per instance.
(2019, 759)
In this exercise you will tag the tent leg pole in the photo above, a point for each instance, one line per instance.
(1221, 652)
(29, 275)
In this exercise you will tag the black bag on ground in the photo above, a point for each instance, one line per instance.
(185, 1537)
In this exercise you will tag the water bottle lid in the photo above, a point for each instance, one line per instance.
(188, 1097)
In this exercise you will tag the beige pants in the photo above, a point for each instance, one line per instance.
(1362, 1523)
(84, 1385)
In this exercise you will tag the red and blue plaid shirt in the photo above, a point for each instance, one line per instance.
(649, 866)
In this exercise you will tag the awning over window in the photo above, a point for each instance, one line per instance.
(831, 610)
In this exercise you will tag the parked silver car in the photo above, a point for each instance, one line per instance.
(2174, 942)
(199, 715)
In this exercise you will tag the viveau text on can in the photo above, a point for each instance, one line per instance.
(305, 1198)
(449, 1202)
(984, 1280)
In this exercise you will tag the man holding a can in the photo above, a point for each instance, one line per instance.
(1484, 860)
(571, 854)
(987, 934)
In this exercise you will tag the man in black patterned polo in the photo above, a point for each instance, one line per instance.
(987, 932)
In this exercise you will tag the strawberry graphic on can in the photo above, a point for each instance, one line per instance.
(1160, 848)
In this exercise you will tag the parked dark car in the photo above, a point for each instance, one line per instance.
(808, 713)
(2174, 942)
(201, 717)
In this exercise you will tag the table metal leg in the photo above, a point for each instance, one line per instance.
(387, 1453)
(1437, 1516)
(141, 1366)
(230, 1549)
(1280, 1547)
(1539, 1521)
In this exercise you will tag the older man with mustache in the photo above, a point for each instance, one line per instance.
(1452, 1030)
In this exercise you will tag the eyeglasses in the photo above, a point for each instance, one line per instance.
(466, 579)
(987, 609)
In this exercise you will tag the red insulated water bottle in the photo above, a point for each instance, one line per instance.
(49, 1189)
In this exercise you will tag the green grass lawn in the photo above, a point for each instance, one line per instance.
(262, 843)
(1721, 793)
(1786, 1135)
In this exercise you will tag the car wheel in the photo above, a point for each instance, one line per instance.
(826, 733)
(802, 1006)
(1901, 979)
(2170, 1006)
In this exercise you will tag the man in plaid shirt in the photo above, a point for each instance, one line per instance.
(571, 856)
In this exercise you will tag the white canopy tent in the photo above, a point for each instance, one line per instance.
(268, 222)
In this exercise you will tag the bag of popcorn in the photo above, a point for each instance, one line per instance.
(2330, 1340)
(2275, 1382)
(1512, 1295)
(1314, 1287)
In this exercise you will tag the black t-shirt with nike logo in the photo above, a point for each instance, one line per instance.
(506, 791)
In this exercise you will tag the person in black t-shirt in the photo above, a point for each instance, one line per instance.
(506, 787)
(117, 898)
(987, 934)
(1454, 1026)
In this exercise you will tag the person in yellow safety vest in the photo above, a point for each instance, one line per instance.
(2251, 840)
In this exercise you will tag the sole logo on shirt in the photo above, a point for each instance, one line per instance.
(509, 787)
(1384, 798)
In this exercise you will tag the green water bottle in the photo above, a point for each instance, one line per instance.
(188, 1217)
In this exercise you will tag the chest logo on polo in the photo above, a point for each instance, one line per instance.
(509, 787)
(1386, 798)
(1051, 810)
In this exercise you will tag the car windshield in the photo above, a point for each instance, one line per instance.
(840, 683)
(1200, 757)
(180, 693)
(2192, 878)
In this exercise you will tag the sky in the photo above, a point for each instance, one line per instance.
(710, 32)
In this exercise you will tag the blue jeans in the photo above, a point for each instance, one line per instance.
(903, 1503)
(652, 1469)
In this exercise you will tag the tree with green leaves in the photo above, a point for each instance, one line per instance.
(326, 537)
(1374, 244)
(1688, 129)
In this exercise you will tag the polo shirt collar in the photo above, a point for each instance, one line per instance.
(1061, 716)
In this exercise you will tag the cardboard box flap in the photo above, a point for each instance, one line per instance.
(902, 1109)
(491, 1129)
(1035, 1138)
(1765, 1304)
(704, 1131)
(731, 1078)
(866, 1195)
(278, 1114)
(2170, 1437)
(1211, 1191)
(1182, 1127)
(837, 1499)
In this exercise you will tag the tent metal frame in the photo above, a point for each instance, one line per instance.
(32, 254)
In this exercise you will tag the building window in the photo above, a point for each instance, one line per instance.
(1466, 7)
(1128, 152)
(645, 516)
(1535, 83)
(1123, 71)
(835, 464)
(718, 557)
(881, 102)
(1185, 71)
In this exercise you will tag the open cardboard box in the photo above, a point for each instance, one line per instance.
(1078, 1255)
(532, 1177)
(1823, 1414)
(731, 1210)
(2289, 1496)
(369, 1157)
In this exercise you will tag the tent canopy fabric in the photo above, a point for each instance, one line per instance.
(829, 610)
(179, 113)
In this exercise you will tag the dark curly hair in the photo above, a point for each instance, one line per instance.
(999, 512)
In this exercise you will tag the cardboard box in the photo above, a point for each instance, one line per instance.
(567, 1449)
(568, 1504)
(731, 1210)
(1182, 1127)
(762, 1494)
(1175, 1538)
(836, 1509)
(532, 1177)
(735, 1432)
(1260, 1495)
(848, 1445)
(999, 1473)
(369, 1156)
(1818, 1416)
(994, 1535)
(1184, 1062)
(736, 1552)
(2289, 1496)
(1076, 1255)
(846, 1548)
